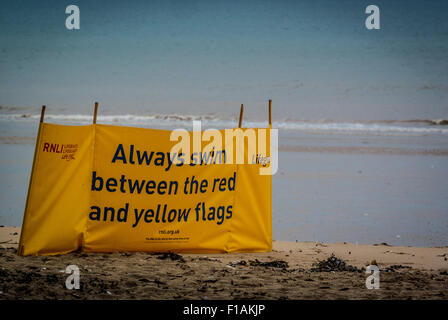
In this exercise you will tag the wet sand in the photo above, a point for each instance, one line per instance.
(288, 272)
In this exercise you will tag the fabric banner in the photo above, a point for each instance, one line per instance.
(103, 188)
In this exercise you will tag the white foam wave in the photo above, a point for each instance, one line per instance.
(178, 120)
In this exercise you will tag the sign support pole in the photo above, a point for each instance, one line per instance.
(270, 113)
(95, 112)
(42, 115)
(241, 116)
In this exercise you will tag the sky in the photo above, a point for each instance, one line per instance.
(314, 59)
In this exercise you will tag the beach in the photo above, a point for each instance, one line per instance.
(290, 271)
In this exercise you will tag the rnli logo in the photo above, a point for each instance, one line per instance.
(67, 151)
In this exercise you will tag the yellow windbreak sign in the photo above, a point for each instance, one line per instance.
(58, 197)
(102, 188)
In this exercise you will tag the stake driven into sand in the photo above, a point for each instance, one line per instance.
(110, 188)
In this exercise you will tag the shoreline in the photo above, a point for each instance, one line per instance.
(304, 254)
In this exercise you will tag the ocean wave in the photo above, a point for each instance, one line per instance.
(414, 126)
(436, 122)
(105, 118)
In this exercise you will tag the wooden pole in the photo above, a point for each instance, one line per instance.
(95, 112)
(42, 115)
(270, 112)
(241, 116)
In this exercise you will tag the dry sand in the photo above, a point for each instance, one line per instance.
(406, 273)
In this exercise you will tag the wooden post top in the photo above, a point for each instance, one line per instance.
(270, 112)
(95, 111)
(42, 114)
(241, 116)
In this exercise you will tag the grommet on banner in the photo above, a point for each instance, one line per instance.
(241, 116)
(95, 112)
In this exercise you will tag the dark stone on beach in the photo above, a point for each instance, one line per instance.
(382, 244)
(171, 256)
(273, 264)
(333, 263)
(395, 267)
(238, 263)
(127, 254)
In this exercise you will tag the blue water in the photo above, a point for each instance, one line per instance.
(315, 59)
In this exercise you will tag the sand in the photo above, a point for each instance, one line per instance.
(405, 273)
